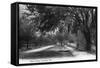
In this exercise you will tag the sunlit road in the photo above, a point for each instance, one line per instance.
(39, 49)
(53, 53)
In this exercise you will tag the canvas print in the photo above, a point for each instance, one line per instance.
(49, 33)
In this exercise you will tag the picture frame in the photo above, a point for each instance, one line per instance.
(38, 36)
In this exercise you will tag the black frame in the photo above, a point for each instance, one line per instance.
(15, 31)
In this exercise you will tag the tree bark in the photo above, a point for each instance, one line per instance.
(27, 44)
(88, 39)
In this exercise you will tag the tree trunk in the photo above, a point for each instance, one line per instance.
(27, 44)
(88, 39)
(61, 44)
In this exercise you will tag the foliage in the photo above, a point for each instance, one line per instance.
(69, 20)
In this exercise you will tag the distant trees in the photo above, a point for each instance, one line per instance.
(25, 31)
(27, 26)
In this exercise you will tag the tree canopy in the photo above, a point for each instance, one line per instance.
(39, 18)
